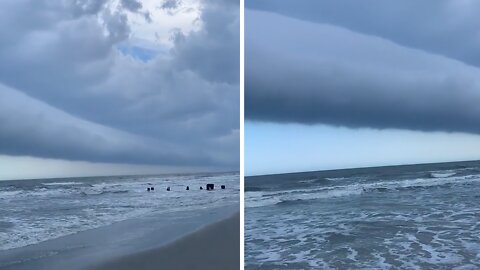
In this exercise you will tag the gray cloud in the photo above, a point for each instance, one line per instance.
(446, 27)
(205, 51)
(136, 7)
(42, 130)
(170, 4)
(96, 103)
(311, 73)
(131, 5)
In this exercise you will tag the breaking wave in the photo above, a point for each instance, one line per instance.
(284, 197)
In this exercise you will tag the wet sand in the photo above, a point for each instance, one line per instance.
(182, 236)
(216, 246)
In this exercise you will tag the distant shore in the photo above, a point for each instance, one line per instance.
(216, 246)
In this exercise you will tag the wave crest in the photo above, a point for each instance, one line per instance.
(295, 196)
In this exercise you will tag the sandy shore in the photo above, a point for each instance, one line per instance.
(130, 238)
(216, 246)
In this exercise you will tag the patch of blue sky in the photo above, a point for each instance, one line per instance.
(140, 53)
(281, 148)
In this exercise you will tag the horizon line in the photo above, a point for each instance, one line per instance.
(126, 175)
(366, 167)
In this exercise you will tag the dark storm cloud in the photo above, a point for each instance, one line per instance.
(447, 27)
(43, 131)
(303, 72)
(66, 90)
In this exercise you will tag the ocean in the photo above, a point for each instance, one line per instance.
(398, 217)
(34, 211)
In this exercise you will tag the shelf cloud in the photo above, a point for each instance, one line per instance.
(68, 91)
(299, 69)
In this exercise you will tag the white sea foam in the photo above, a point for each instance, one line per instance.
(352, 254)
(442, 174)
(63, 183)
(381, 261)
(27, 233)
(404, 224)
(259, 199)
(336, 178)
(466, 267)
(46, 212)
(6, 194)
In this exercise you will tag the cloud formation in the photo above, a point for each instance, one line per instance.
(170, 4)
(446, 27)
(68, 91)
(304, 71)
(132, 5)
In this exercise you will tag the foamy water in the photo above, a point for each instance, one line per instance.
(32, 211)
(405, 217)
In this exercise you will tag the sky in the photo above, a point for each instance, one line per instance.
(342, 84)
(106, 87)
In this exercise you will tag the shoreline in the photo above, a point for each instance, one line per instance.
(214, 246)
(93, 247)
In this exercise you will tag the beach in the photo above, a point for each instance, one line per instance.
(216, 246)
(211, 234)
(79, 224)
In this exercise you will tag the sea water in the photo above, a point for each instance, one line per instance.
(402, 217)
(32, 211)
